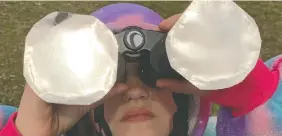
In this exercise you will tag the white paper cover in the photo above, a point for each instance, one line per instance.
(214, 44)
(73, 61)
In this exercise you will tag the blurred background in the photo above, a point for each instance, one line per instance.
(16, 18)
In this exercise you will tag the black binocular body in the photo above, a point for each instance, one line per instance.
(147, 48)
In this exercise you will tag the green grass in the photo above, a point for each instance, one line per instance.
(16, 18)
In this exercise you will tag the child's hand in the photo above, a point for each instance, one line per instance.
(38, 118)
(171, 84)
(167, 24)
(179, 86)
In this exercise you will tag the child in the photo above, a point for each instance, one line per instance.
(250, 108)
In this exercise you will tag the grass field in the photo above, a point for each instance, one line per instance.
(16, 18)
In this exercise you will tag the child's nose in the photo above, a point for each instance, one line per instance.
(132, 75)
(136, 94)
(136, 87)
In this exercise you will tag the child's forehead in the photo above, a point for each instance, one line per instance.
(130, 20)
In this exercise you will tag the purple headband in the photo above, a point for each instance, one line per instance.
(127, 14)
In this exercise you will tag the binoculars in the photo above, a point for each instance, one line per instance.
(147, 48)
(76, 59)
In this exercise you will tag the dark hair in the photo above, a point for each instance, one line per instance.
(86, 126)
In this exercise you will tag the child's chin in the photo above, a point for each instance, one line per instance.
(141, 129)
(141, 133)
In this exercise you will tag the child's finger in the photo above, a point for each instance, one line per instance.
(167, 24)
(177, 86)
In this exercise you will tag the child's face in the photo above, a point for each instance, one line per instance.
(141, 110)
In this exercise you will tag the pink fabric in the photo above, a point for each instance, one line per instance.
(264, 125)
(255, 90)
(131, 20)
(277, 64)
(10, 128)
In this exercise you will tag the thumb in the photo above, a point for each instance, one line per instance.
(178, 86)
(167, 24)
(70, 114)
(117, 89)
